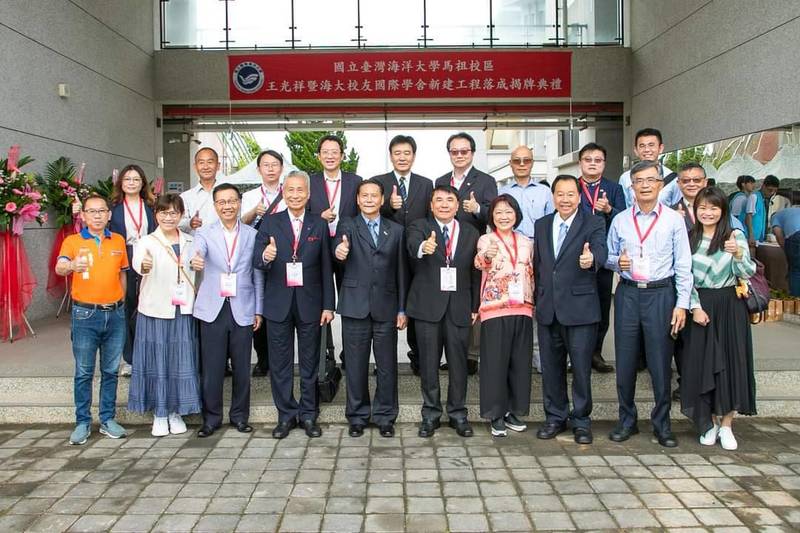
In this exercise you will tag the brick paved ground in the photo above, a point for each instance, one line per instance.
(235, 482)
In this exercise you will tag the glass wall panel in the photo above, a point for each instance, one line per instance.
(592, 22)
(462, 23)
(194, 23)
(325, 23)
(392, 23)
(524, 22)
(260, 24)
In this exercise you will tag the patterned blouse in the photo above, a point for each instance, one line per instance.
(499, 273)
(720, 269)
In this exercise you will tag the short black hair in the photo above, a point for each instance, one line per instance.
(566, 177)
(95, 196)
(331, 137)
(226, 187)
(461, 135)
(273, 153)
(512, 202)
(403, 139)
(644, 165)
(169, 200)
(449, 189)
(647, 132)
(206, 149)
(690, 165)
(592, 147)
(370, 181)
(771, 181)
(741, 180)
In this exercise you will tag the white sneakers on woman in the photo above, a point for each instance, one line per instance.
(164, 425)
(176, 424)
(726, 439)
(709, 438)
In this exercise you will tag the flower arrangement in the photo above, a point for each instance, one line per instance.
(20, 199)
(63, 186)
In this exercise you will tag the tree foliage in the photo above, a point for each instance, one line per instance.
(303, 146)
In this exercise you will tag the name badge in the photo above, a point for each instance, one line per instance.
(640, 268)
(448, 279)
(227, 284)
(180, 294)
(294, 274)
(516, 294)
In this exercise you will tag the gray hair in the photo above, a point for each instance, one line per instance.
(299, 174)
(644, 165)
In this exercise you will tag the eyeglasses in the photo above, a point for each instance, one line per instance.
(95, 212)
(686, 181)
(131, 180)
(271, 165)
(651, 146)
(589, 160)
(326, 153)
(168, 214)
(521, 160)
(649, 181)
(223, 203)
(569, 195)
(465, 151)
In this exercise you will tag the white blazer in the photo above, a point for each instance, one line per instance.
(155, 291)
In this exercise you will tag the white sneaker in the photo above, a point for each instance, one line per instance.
(125, 369)
(709, 438)
(176, 424)
(160, 426)
(726, 439)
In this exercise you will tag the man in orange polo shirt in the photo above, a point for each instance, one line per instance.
(97, 261)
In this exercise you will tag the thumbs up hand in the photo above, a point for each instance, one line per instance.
(271, 251)
(624, 261)
(471, 205)
(602, 203)
(147, 262)
(586, 259)
(395, 199)
(343, 249)
(681, 210)
(261, 208)
(76, 207)
(429, 245)
(81, 264)
(196, 221)
(491, 251)
(732, 247)
(197, 262)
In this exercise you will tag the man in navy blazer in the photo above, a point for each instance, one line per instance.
(293, 247)
(333, 197)
(606, 199)
(229, 307)
(372, 305)
(569, 248)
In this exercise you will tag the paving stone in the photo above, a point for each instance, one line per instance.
(258, 523)
(716, 517)
(266, 505)
(582, 502)
(777, 498)
(634, 518)
(305, 505)
(217, 522)
(676, 518)
(417, 505)
(467, 522)
(542, 503)
(496, 488)
(606, 485)
(661, 500)
(385, 523)
(426, 523)
(188, 505)
(385, 505)
(53, 523)
(759, 516)
(92, 523)
(593, 520)
(551, 521)
(16, 522)
(300, 523)
(621, 501)
(509, 522)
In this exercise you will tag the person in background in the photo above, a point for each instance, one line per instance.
(131, 217)
(505, 257)
(97, 260)
(773, 202)
(718, 379)
(648, 146)
(748, 206)
(165, 378)
(198, 201)
(786, 227)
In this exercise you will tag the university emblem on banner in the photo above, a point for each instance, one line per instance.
(248, 77)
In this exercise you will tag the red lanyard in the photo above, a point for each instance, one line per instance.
(515, 254)
(295, 239)
(264, 195)
(592, 201)
(647, 233)
(332, 199)
(448, 249)
(137, 225)
(453, 181)
(232, 250)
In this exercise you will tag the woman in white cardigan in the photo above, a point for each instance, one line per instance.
(165, 353)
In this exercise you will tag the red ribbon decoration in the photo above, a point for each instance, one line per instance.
(16, 286)
(13, 159)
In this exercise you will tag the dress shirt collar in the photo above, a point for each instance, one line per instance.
(463, 176)
(656, 209)
(86, 234)
(398, 176)
(367, 221)
(531, 183)
(337, 177)
(569, 221)
(442, 225)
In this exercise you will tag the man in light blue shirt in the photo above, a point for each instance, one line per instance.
(534, 199)
(649, 247)
(648, 146)
(786, 227)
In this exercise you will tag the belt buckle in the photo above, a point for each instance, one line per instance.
(641, 284)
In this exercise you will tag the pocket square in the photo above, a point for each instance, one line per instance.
(312, 238)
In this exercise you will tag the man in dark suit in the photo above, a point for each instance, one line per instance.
(569, 248)
(333, 197)
(606, 199)
(476, 190)
(443, 300)
(294, 248)
(407, 197)
(372, 305)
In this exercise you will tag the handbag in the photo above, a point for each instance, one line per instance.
(755, 291)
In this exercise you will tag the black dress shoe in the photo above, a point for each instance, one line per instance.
(387, 430)
(228, 368)
(600, 365)
(667, 440)
(206, 431)
(282, 430)
(443, 367)
(312, 428)
(550, 430)
(462, 427)
(621, 434)
(583, 435)
(356, 430)
(413, 361)
(259, 372)
(242, 427)
(428, 427)
(676, 395)
(472, 367)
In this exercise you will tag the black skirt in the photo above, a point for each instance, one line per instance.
(718, 375)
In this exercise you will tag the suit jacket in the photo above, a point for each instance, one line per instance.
(565, 291)
(616, 197)
(418, 201)
(318, 201)
(426, 300)
(313, 252)
(209, 243)
(117, 222)
(485, 188)
(375, 280)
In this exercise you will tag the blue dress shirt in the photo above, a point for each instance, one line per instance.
(535, 200)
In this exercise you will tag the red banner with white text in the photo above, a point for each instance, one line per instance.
(389, 75)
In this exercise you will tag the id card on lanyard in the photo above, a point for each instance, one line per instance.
(294, 270)
(227, 281)
(180, 291)
(640, 266)
(136, 224)
(516, 292)
(448, 278)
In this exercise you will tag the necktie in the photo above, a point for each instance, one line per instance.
(298, 225)
(402, 189)
(562, 234)
(446, 235)
(373, 230)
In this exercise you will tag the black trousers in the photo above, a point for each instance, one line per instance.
(261, 347)
(431, 337)
(555, 342)
(360, 337)
(131, 306)
(218, 340)
(644, 312)
(338, 276)
(281, 366)
(505, 384)
(605, 282)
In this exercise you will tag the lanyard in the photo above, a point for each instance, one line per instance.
(453, 181)
(643, 238)
(513, 256)
(232, 250)
(137, 225)
(592, 201)
(448, 249)
(295, 240)
(332, 199)
(264, 195)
